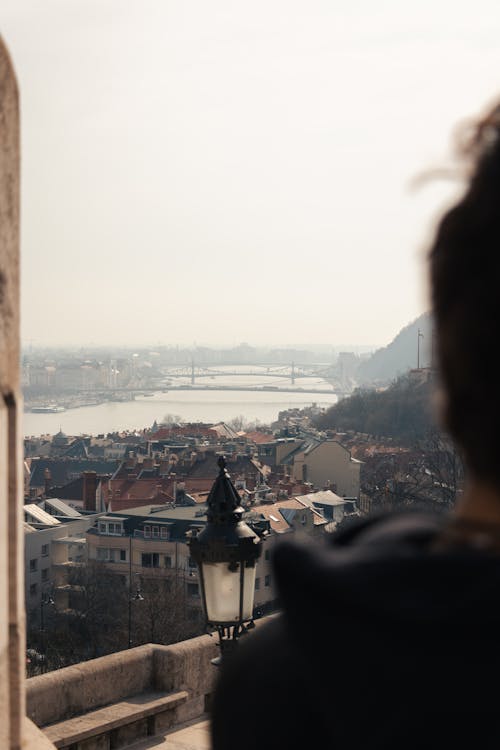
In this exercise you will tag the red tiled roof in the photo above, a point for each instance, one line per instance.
(188, 430)
(273, 515)
(296, 504)
(258, 437)
(129, 493)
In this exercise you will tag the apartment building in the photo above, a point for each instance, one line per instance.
(53, 545)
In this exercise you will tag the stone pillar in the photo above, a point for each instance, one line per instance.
(12, 636)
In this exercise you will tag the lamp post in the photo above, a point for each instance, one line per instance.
(137, 597)
(226, 552)
(44, 600)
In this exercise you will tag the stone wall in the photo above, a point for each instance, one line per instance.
(12, 645)
(74, 690)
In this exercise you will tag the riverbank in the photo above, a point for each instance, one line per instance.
(257, 407)
(65, 402)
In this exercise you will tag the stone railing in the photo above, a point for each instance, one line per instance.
(115, 700)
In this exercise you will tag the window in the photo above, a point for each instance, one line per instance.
(167, 561)
(107, 554)
(156, 531)
(147, 532)
(45, 574)
(45, 550)
(267, 581)
(164, 532)
(257, 584)
(33, 589)
(150, 560)
(33, 566)
(192, 589)
(114, 529)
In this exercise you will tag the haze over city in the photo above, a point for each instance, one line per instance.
(214, 173)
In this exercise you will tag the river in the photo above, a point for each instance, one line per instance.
(188, 406)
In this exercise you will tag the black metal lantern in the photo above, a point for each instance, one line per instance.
(226, 552)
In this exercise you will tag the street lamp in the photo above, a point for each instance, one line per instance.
(137, 597)
(226, 551)
(44, 601)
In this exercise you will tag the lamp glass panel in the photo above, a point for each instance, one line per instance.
(222, 592)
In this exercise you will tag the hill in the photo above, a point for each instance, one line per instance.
(400, 355)
(404, 411)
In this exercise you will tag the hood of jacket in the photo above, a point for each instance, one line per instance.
(386, 572)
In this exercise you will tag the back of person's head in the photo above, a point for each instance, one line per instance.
(465, 293)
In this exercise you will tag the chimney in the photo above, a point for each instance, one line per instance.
(164, 467)
(89, 490)
(180, 492)
(47, 478)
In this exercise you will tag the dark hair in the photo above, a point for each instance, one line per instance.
(465, 294)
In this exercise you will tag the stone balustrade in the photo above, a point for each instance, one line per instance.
(114, 700)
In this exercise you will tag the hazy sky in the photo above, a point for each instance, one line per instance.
(218, 171)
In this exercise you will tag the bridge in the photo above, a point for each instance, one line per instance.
(290, 372)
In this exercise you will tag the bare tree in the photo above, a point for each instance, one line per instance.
(428, 476)
(168, 613)
(92, 622)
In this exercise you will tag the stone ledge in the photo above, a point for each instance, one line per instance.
(104, 720)
(34, 738)
(71, 691)
(83, 690)
(66, 693)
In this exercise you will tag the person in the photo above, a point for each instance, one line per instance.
(388, 635)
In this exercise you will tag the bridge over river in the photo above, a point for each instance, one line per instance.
(188, 376)
(291, 372)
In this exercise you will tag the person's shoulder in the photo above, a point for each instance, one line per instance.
(260, 668)
(268, 639)
(385, 526)
(368, 538)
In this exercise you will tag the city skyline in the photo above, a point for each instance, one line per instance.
(152, 345)
(215, 173)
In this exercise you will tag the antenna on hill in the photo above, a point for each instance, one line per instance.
(419, 336)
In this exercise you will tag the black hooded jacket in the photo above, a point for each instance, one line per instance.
(384, 640)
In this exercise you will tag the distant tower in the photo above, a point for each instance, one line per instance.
(420, 335)
(112, 380)
(47, 478)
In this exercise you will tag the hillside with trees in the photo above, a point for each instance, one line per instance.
(404, 411)
(405, 352)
